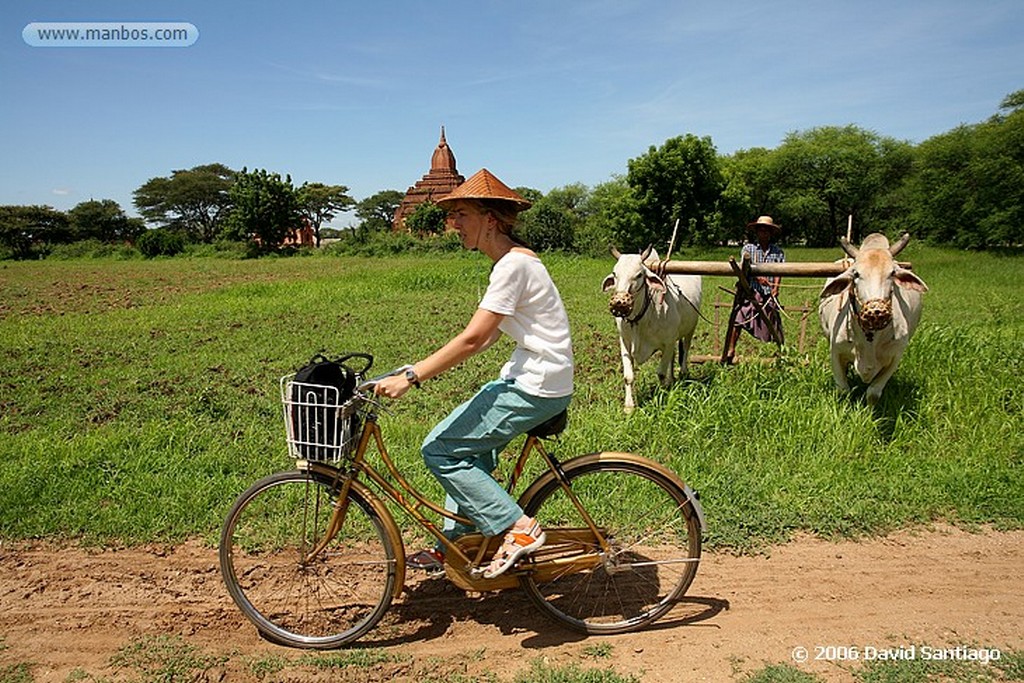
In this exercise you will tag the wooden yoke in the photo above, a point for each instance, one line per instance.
(743, 274)
(808, 269)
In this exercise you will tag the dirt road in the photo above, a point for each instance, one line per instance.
(68, 611)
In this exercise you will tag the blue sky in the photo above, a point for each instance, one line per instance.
(542, 93)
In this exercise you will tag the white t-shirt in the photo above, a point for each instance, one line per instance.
(521, 290)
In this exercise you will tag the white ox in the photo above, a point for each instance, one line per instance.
(869, 313)
(652, 314)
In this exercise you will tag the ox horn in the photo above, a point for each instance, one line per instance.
(646, 252)
(615, 252)
(898, 247)
(850, 250)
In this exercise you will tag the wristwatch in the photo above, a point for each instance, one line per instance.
(411, 378)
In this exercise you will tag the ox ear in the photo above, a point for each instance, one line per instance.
(654, 282)
(609, 283)
(837, 284)
(907, 279)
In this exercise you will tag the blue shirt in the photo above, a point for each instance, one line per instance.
(773, 254)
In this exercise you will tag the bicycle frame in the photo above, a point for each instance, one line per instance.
(464, 556)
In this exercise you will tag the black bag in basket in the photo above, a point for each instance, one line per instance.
(314, 409)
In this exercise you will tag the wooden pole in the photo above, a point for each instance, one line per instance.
(809, 269)
(729, 353)
(672, 242)
(806, 311)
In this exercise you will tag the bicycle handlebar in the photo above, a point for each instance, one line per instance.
(367, 385)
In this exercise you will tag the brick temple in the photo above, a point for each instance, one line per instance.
(442, 179)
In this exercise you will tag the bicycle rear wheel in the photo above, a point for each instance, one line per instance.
(655, 536)
(323, 601)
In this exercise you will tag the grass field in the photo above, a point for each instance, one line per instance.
(138, 398)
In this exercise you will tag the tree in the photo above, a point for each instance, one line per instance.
(320, 203)
(888, 209)
(265, 208)
(103, 220)
(1013, 102)
(196, 201)
(546, 227)
(943, 200)
(827, 174)
(160, 242)
(530, 194)
(967, 188)
(571, 199)
(997, 172)
(377, 212)
(612, 218)
(24, 228)
(750, 189)
(427, 219)
(680, 180)
(553, 220)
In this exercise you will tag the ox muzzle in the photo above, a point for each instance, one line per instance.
(873, 315)
(621, 304)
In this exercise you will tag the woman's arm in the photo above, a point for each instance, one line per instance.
(480, 333)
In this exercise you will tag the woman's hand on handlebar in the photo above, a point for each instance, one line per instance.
(394, 386)
(389, 385)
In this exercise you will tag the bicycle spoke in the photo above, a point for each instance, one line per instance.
(321, 601)
(654, 542)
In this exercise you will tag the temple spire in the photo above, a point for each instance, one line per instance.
(443, 159)
(443, 178)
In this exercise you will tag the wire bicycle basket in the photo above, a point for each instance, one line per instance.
(321, 424)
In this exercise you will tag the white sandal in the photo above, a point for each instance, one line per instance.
(516, 544)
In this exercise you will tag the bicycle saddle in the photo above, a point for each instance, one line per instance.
(553, 426)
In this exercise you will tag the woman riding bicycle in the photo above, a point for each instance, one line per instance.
(534, 385)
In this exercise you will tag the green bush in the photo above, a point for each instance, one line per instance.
(92, 248)
(378, 244)
(160, 242)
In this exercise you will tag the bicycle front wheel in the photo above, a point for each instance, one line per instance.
(296, 596)
(654, 537)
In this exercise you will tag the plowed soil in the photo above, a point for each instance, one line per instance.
(73, 612)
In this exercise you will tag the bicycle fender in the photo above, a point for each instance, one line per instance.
(390, 527)
(694, 498)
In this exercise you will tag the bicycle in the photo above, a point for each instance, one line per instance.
(313, 556)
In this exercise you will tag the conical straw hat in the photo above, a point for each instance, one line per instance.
(485, 185)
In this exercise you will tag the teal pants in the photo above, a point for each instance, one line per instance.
(462, 451)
